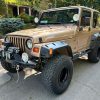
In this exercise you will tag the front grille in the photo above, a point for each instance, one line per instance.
(18, 41)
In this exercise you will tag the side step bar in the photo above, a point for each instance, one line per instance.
(77, 55)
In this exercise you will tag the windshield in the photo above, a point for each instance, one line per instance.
(58, 17)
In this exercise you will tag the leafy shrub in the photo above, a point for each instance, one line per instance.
(8, 25)
(26, 18)
(0, 16)
(32, 19)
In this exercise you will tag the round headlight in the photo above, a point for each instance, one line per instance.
(6, 39)
(29, 44)
(25, 57)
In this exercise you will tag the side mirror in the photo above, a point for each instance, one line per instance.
(36, 20)
(76, 17)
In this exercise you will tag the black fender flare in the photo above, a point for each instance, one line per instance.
(55, 46)
(95, 41)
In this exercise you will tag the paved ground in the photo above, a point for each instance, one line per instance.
(85, 85)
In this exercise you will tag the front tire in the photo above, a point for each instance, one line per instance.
(9, 67)
(57, 73)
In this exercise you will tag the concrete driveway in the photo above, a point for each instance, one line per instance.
(85, 85)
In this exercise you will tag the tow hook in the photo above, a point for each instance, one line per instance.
(17, 69)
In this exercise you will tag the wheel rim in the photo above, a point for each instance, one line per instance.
(64, 75)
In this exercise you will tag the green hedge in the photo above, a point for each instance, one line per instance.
(26, 18)
(8, 25)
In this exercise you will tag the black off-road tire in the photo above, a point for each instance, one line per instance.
(57, 74)
(94, 55)
(9, 67)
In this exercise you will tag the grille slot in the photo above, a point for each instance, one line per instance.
(18, 42)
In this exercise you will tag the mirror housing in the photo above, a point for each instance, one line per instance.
(76, 17)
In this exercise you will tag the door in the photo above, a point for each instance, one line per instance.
(84, 34)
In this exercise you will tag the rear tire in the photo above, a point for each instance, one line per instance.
(57, 73)
(94, 55)
(9, 67)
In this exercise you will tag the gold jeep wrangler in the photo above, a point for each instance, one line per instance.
(61, 36)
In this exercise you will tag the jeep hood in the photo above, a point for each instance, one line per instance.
(48, 33)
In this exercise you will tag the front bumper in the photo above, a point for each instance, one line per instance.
(16, 60)
(22, 64)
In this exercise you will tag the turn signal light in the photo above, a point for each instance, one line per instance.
(36, 50)
(50, 51)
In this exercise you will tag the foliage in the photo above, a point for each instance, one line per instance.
(1, 16)
(44, 4)
(10, 25)
(89, 3)
(29, 26)
(35, 3)
(17, 2)
(26, 18)
(10, 12)
(2, 7)
(40, 4)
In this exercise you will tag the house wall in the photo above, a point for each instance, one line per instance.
(23, 9)
(14, 10)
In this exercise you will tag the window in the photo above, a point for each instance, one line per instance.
(96, 19)
(85, 19)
